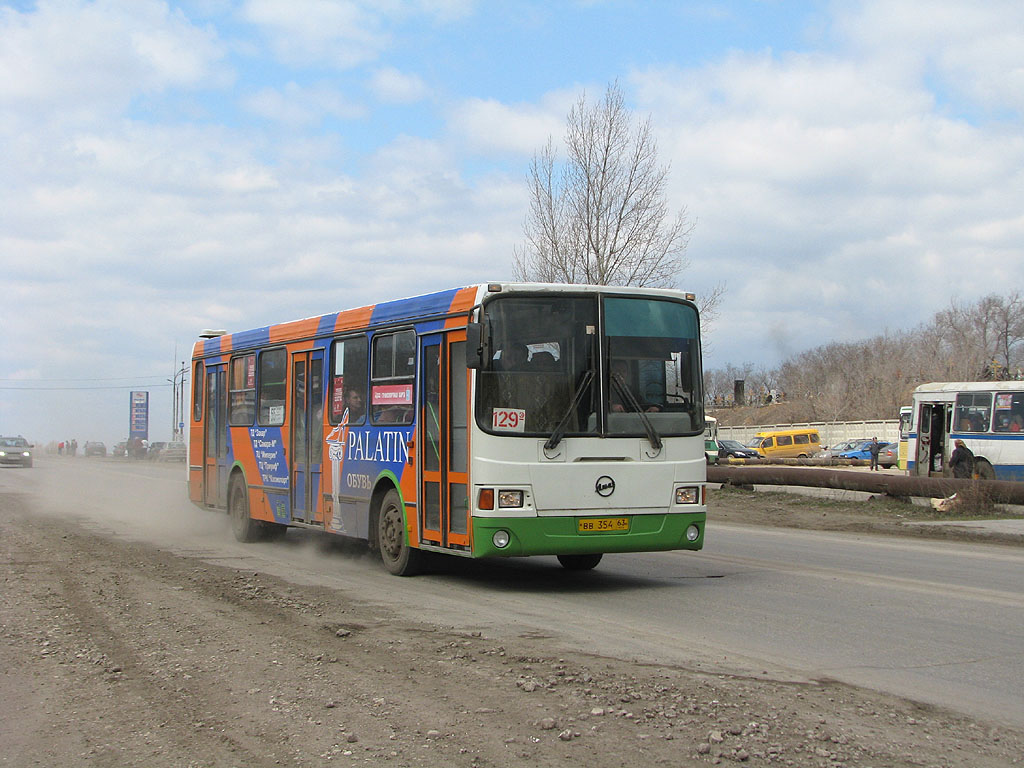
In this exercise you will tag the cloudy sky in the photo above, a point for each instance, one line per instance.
(173, 165)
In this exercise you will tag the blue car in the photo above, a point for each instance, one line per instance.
(860, 451)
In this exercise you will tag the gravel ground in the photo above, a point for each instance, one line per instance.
(114, 653)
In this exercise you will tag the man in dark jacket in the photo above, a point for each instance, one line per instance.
(873, 450)
(962, 461)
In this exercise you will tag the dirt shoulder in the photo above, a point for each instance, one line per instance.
(878, 515)
(115, 653)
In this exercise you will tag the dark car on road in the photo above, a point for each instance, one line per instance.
(731, 449)
(95, 448)
(15, 450)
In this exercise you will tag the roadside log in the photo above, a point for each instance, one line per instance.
(999, 491)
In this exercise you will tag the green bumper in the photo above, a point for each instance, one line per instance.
(561, 535)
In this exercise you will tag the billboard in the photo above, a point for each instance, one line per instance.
(138, 416)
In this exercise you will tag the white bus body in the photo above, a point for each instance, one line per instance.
(987, 415)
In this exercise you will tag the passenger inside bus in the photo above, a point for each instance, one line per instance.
(621, 395)
(354, 404)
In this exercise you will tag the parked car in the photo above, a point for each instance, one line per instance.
(733, 449)
(120, 450)
(833, 451)
(15, 450)
(860, 451)
(889, 456)
(95, 448)
(154, 450)
(175, 451)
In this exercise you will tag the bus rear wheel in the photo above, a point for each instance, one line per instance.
(984, 470)
(399, 558)
(579, 562)
(242, 525)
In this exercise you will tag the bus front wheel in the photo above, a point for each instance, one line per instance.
(984, 470)
(399, 558)
(242, 525)
(579, 562)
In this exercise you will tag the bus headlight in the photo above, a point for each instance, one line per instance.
(689, 494)
(692, 533)
(510, 499)
(500, 539)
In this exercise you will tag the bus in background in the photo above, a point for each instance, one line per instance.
(906, 414)
(494, 420)
(987, 415)
(711, 439)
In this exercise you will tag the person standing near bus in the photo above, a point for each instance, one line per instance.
(873, 449)
(962, 461)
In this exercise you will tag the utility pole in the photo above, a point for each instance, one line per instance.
(178, 402)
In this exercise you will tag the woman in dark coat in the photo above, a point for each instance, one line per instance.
(962, 460)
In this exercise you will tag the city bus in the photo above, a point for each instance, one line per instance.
(496, 420)
(906, 416)
(711, 439)
(987, 415)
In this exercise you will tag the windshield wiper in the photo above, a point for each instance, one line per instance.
(556, 436)
(627, 395)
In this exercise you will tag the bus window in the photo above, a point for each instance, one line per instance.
(972, 411)
(242, 391)
(1009, 416)
(271, 395)
(197, 392)
(348, 380)
(394, 366)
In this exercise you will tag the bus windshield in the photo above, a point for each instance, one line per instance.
(554, 367)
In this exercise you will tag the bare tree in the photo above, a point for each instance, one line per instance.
(601, 217)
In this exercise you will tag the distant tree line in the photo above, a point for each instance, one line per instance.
(871, 379)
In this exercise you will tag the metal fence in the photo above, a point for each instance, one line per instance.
(830, 432)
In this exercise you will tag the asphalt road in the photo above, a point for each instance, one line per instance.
(934, 621)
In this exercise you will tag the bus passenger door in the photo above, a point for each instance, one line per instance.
(215, 438)
(443, 441)
(306, 455)
(932, 431)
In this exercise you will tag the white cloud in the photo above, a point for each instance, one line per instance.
(81, 57)
(341, 33)
(297, 105)
(487, 125)
(394, 87)
(976, 49)
(826, 191)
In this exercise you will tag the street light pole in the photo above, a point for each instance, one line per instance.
(178, 402)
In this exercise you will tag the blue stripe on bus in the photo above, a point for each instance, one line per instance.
(1003, 471)
(212, 346)
(257, 337)
(326, 326)
(419, 306)
(986, 436)
(978, 436)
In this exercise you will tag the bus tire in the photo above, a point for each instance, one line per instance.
(984, 470)
(398, 557)
(580, 562)
(243, 526)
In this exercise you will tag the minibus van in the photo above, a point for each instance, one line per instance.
(786, 443)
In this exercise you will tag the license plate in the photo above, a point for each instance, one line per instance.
(602, 524)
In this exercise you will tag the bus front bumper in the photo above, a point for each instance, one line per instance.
(562, 535)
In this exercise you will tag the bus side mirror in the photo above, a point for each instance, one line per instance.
(474, 346)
